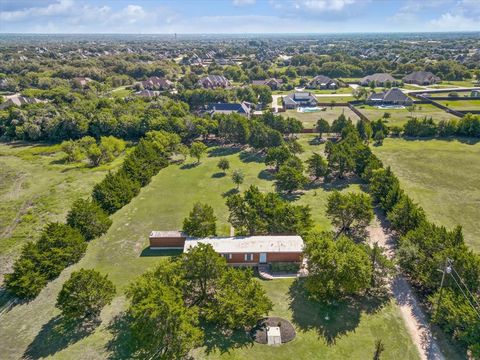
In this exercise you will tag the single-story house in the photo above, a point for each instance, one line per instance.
(322, 82)
(147, 93)
(393, 96)
(273, 83)
(18, 100)
(156, 83)
(299, 99)
(244, 108)
(475, 93)
(214, 81)
(237, 250)
(421, 78)
(380, 79)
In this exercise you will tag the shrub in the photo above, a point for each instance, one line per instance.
(88, 218)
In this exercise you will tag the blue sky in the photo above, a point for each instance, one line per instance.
(237, 16)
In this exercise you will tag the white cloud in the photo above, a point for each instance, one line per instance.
(324, 5)
(243, 2)
(454, 22)
(57, 8)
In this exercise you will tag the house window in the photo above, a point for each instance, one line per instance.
(227, 256)
(248, 257)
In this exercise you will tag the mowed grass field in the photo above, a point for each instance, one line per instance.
(443, 177)
(468, 104)
(399, 117)
(37, 187)
(331, 113)
(31, 329)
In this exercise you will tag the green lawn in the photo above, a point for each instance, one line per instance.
(398, 117)
(460, 94)
(464, 83)
(349, 333)
(442, 176)
(31, 329)
(330, 114)
(337, 99)
(37, 187)
(470, 104)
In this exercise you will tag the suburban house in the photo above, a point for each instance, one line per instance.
(380, 79)
(147, 93)
(272, 83)
(214, 81)
(244, 108)
(81, 81)
(393, 96)
(322, 82)
(156, 83)
(18, 100)
(475, 93)
(421, 78)
(237, 250)
(299, 99)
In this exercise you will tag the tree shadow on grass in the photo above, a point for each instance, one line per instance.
(331, 320)
(266, 174)
(189, 166)
(340, 184)
(230, 192)
(293, 196)
(147, 252)
(58, 334)
(217, 340)
(219, 175)
(224, 151)
(250, 156)
(120, 345)
(8, 301)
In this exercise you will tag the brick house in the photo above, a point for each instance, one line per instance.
(237, 250)
(214, 81)
(322, 82)
(299, 99)
(272, 83)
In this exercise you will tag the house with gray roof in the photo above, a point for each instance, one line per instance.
(244, 108)
(421, 78)
(272, 83)
(380, 79)
(322, 82)
(214, 81)
(393, 96)
(156, 83)
(299, 99)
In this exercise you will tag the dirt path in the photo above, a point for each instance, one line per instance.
(412, 314)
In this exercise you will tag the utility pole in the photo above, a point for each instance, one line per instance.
(446, 270)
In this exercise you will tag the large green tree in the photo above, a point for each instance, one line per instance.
(239, 302)
(84, 295)
(317, 166)
(201, 221)
(336, 268)
(88, 218)
(160, 325)
(350, 213)
(289, 179)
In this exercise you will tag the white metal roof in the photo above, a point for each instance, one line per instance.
(250, 244)
(168, 233)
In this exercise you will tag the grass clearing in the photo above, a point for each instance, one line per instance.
(399, 117)
(37, 187)
(470, 104)
(30, 329)
(330, 114)
(442, 176)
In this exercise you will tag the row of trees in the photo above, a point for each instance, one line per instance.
(172, 306)
(61, 245)
(423, 249)
(469, 125)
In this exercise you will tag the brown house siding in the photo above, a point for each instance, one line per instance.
(167, 242)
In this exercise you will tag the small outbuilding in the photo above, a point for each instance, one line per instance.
(274, 337)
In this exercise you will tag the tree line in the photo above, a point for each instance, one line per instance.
(61, 245)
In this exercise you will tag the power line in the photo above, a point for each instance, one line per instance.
(469, 302)
(466, 287)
